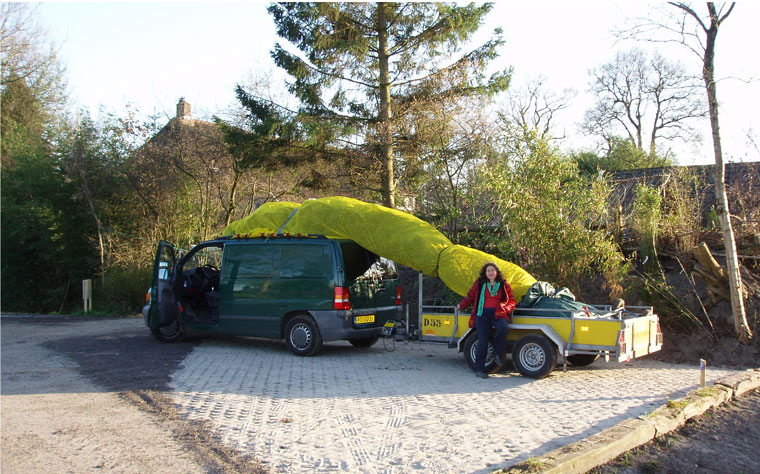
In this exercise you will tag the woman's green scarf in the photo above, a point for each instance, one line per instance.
(494, 290)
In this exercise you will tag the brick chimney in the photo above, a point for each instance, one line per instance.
(183, 109)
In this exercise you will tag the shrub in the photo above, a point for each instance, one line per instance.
(123, 290)
(681, 226)
(645, 220)
(552, 218)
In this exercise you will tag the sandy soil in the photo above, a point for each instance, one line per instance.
(724, 439)
(84, 397)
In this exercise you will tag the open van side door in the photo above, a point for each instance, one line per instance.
(163, 307)
(386, 281)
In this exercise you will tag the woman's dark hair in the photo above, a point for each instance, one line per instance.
(483, 278)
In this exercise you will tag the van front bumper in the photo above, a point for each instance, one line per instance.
(339, 325)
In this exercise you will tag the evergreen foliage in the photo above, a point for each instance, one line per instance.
(42, 246)
(362, 68)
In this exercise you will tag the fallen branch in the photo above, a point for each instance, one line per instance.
(706, 259)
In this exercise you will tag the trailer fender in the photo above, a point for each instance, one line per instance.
(546, 330)
(460, 342)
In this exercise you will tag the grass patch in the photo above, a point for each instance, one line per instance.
(529, 465)
(708, 391)
(677, 405)
(650, 467)
(651, 414)
(535, 464)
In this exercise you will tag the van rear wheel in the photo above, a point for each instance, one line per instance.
(302, 336)
(365, 341)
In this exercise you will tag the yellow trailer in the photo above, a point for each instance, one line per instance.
(537, 337)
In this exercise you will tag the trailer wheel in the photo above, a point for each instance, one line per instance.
(471, 346)
(534, 356)
(582, 360)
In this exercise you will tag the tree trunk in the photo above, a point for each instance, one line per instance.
(91, 205)
(233, 196)
(732, 262)
(386, 144)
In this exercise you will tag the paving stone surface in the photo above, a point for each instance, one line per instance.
(416, 409)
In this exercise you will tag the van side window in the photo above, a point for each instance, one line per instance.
(304, 261)
(249, 261)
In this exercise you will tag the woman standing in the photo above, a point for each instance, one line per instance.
(493, 303)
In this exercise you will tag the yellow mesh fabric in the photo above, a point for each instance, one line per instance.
(267, 219)
(460, 266)
(390, 233)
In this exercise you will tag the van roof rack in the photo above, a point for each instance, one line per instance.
(272, 235)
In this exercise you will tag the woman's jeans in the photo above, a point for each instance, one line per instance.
(483, 324)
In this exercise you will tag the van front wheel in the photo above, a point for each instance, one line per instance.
(302, 336)
(171, 333)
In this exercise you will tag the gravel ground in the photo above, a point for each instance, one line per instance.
(82, 395)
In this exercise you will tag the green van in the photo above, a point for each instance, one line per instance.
(304, 289)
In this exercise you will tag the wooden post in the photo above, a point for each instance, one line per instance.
(702, 369)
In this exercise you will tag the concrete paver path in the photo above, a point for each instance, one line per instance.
(417, 409)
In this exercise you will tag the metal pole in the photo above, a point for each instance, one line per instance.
(406, 335)
(419, 314)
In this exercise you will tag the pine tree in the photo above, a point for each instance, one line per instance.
(360, 70)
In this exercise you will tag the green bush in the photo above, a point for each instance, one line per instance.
(123, 290)
(681, 227)
(645, 221)
(552, 219)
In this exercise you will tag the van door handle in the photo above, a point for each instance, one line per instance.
(381, 289)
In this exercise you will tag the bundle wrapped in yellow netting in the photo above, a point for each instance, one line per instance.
(390, 233)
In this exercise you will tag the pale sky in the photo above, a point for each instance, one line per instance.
(151, 54)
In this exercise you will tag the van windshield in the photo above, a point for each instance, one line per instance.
(206, 256)
(361, 264)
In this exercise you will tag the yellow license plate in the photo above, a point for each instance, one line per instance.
(369, 318)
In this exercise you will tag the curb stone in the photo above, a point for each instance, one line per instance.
(742, 383)
(598, 449)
